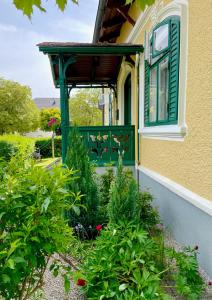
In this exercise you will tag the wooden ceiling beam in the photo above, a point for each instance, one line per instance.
(110, 35)
(115, 3)
(126, 16)
(114, 21)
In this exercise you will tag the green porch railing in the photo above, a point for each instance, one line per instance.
(105, 143)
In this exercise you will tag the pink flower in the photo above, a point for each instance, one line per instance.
(99, 227)
(52, 121)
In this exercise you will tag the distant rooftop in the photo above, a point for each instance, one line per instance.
(47, 102)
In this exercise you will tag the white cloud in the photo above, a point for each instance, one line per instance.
(21, 60)
(8, 28)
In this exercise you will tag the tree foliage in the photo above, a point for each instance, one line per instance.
(32, 224)
(18, 112)
(27, 6)
(77, 159)
(84, 109)
(46, 115)
(142, 3)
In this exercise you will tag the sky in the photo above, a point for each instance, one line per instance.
(20, 59)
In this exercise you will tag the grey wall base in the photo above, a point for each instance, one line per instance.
(187, 224)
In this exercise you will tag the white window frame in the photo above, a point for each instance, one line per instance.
(157, 13)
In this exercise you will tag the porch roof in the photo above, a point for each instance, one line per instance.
(87, 64)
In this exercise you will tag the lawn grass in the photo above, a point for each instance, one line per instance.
(44, 163)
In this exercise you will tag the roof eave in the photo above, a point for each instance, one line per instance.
(99, 17)
(118, 50)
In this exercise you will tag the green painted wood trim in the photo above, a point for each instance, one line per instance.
(174, 56)
(91, 134)
(155, 53)
(101, 50)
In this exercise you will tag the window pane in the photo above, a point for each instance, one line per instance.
(163, 89)
(161, 37)
(153, 95)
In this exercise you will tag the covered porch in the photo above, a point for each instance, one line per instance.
(75, 65)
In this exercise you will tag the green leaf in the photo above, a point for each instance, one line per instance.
(27, 6)
(67, 284)
(19, 259)
(5, 278)
(45, 204)
(11, 263)
(76, 210)
(1, 215)
(122, 287)
(35, 239)
(61, 4)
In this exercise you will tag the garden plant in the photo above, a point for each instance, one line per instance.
(77, 159)
(32, 223)
(129, 259)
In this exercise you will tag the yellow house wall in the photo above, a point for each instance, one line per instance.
(189, 162)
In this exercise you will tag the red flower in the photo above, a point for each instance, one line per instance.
(99, 227)
(210, 283)
(81, 282)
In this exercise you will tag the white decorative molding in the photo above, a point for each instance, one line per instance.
(158, 13)
(165, 132)
(193, 198)
(125, 70)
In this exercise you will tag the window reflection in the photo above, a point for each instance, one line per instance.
(163, 89)
(153, 95)
(161, 38)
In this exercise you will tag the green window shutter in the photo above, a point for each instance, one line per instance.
(146, 93)
(174, 68)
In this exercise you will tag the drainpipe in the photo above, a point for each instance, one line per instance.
(138, 108)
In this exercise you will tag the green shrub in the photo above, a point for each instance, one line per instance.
(124, 196)
(188, 282)
(105, 183)
(149, 216)
(10, 144)
(127, 263)
(32, 226)
(77, 159)
(45, 146)
(123, 265)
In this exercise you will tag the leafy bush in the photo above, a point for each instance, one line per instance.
(127, 263)
(123, 265)
(149, 216)
(186, 273)
(45, 146)
(124, 196)
(105, 183)
(32, 226)
(10, 144)
(77, 159)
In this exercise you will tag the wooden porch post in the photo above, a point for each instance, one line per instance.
(64, 107)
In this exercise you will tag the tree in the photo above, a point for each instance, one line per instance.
(18, 112)
(50, 121)
(46, 115)
(84, 109)
(27, 6)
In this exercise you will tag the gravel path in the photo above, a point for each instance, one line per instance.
(54, 288)
(172, 243)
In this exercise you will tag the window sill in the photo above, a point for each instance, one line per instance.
(165, 132)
